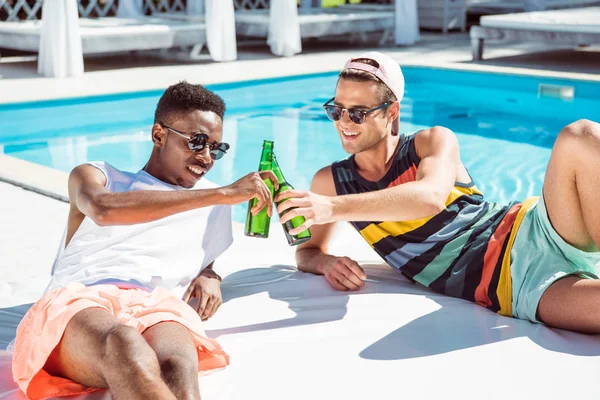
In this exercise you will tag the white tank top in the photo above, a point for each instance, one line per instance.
(168, 253)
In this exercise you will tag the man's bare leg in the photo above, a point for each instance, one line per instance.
(177, 357)
(572, 303)
(571, 192)
(97, 351)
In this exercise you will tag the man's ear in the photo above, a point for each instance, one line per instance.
(394, 117)
(394, 111)
(158, 135)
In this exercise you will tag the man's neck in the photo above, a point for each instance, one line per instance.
(374, 163)
(154, 168)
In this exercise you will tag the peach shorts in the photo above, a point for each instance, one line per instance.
(42, 328)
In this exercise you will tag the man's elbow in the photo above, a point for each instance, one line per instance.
(436, 208)
(103, 217)
(436, 202)
(300, 259)
(100, 213)
(301, 267)
(305, 256)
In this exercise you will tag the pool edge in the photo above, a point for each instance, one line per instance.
(75, 88)
(34, 177)
(506, 70)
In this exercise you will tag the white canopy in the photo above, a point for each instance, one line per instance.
(220, 30)
(284, 28)
(407, 22)
(60, 53)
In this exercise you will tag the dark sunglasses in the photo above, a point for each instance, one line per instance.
(198, 141)
(356, 115)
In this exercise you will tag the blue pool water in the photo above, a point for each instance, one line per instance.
(505, 127)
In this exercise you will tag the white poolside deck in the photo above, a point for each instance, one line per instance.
(289, 334)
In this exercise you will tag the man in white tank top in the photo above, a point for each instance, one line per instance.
(109, 318)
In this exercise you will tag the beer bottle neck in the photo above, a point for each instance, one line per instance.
(283, 184)
(278, 174)
(266, 157)
(277, 170)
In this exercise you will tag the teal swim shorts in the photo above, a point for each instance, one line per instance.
(540, 257)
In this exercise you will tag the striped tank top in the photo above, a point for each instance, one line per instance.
(463, 251)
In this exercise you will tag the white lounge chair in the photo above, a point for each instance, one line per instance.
(315, 23)
(515, 6)
(579, 26)
(433, 14)
(111, 34)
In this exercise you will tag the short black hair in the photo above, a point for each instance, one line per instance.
(184, 97)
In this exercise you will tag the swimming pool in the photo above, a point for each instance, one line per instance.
(506, 126)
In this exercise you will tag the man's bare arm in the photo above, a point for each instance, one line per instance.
(413, 200)
(89, 195)
(427, 196)
(312, 256)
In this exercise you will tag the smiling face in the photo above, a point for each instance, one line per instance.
(173, 161)
(357, 138)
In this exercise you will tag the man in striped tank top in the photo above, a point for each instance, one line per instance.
(413, 201)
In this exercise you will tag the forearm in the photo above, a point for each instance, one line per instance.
(312, 260)
(409, 201)
(134, 207)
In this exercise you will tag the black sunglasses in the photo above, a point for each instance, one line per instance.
(198, 141)
(356, 115)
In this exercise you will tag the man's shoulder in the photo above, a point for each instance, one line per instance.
(325, 173)
(433, 132)
(117, 180)
(323, 182)
(433, 137)
(91, 171)
(106, 168)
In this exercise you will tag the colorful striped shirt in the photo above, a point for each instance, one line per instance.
(463, 251)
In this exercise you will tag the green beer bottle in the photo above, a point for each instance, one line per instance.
(295, 222)
(258, 225)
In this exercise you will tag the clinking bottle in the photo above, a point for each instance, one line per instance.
(258, 225)
(295, 222)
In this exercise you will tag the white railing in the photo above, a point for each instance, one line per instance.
(250, 4)
(20, 10)
(160, 6)
(17, 10)
(96, 8)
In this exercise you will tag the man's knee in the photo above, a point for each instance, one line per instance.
(582, 132)
(178, 364)
(124, 347)
(120, 338)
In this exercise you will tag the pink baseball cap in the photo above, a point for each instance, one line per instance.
(388, 72)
